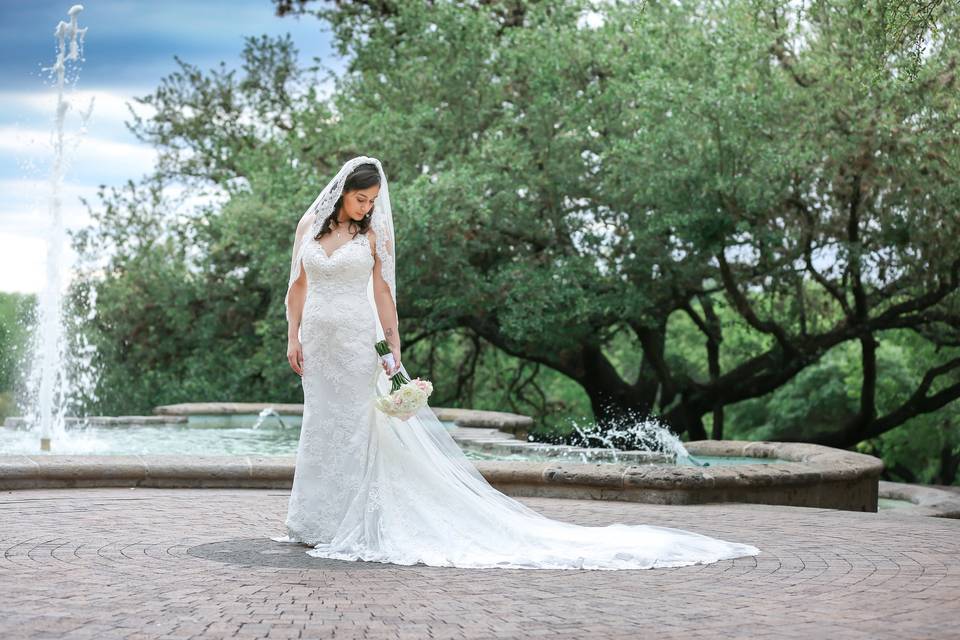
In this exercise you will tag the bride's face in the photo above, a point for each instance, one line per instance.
(358, 203)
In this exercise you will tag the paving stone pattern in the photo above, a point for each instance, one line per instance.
(197, 563)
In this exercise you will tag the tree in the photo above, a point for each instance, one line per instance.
(16, 314)
(565, 179)
(569, 180)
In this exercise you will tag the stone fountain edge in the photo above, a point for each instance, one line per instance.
(815, 476)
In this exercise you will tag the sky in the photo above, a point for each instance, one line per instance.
(129, 46)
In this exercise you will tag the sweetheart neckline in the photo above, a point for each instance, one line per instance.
(330, 257)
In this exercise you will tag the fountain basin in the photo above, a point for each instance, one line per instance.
(803, 474)
(809, 476)
(920, 500)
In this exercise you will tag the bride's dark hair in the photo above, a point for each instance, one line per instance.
(362, 177)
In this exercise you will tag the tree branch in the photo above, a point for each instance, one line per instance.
(807, 240)
(742, 305)
(919, 402)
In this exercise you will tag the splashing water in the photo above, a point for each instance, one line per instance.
(631, 432)
(268, 411)
(49, 386)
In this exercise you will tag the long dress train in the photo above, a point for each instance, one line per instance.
(374, 488)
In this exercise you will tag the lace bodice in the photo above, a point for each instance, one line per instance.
(338, 327)
(341, 274)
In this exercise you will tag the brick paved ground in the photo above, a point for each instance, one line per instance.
(156, 563)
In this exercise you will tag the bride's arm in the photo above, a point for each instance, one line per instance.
(298, 296)
(386, 307)
(297, 293)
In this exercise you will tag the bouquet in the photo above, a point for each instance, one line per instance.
(407, 396)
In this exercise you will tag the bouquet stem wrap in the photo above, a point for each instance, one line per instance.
(406, 397)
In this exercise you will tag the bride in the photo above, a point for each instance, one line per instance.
(372, 487)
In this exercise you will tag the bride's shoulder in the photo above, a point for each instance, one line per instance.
(306, 221)
(371, 240)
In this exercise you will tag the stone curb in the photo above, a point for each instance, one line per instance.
(502, 420)
(15, 422)
(50, 471)
(927, 501)
(813, 476)
(816, 476)
(226, 408)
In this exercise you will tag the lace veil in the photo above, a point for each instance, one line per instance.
(423, 431)
(381, 221)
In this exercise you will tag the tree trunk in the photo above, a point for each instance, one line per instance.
(949, 462)
(611, 398)
(687, 419)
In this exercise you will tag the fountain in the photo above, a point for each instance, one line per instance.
(48, 384)
(631, 437)
(234, 445)
(215, 444)
(269, 411)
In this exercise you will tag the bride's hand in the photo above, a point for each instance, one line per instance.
(295, 355)
(396, 360)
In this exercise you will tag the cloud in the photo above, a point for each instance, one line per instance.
(25, 226)
(129, 48)
(24, 212)
(109, 106)
(29, 141)
(22, 263)
(90, 159)
(106, 154)
(134, 42)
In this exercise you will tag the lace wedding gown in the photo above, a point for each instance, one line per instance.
(374, 488)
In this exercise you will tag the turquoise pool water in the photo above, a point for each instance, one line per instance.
(237, 435)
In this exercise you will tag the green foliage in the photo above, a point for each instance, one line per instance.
(14, 320)
(16, 315)
(562, 192)
(924, 449)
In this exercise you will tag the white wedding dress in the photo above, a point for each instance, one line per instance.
(375, 488)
